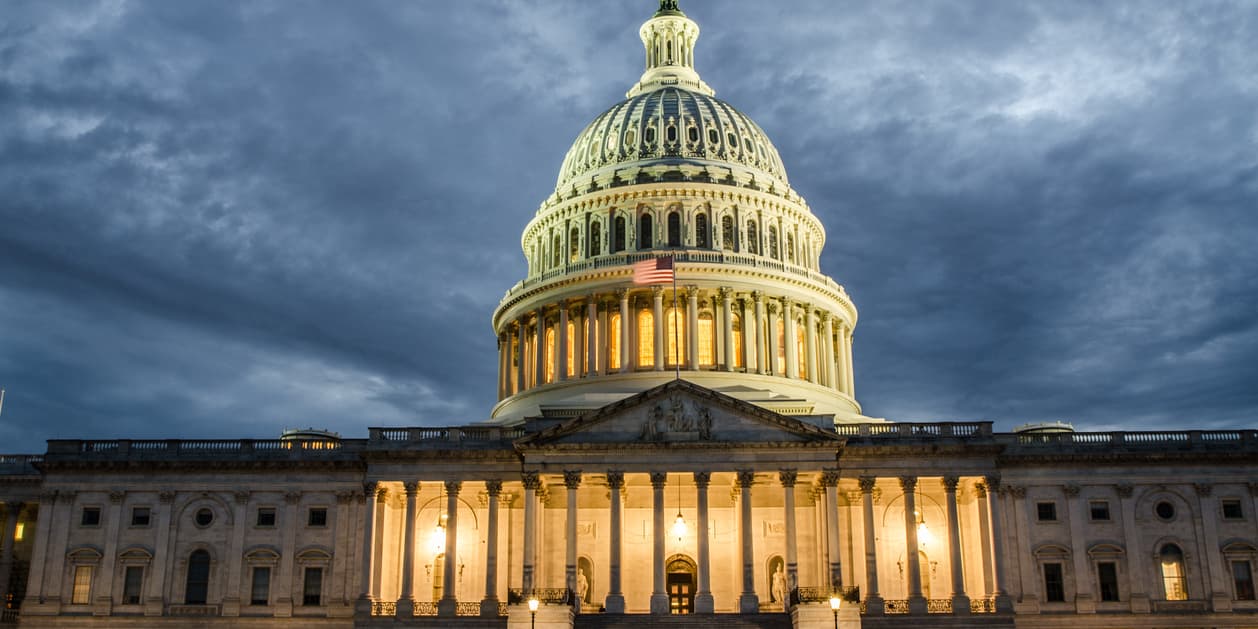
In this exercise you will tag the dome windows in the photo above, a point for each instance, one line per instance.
(611, 142)
(670, 134)
(727, 233)
(618, 234)
(731, 141)
(574, 244)
(753, 238)
(773, 242)
(645, 230)
(649, 135)
(674, 229)
(714, 136)
(596, 238)
(692, 134)
(631, 137)
(701, 231)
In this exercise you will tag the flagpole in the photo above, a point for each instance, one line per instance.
(675, 323)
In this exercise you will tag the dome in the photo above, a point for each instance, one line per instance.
(670, 128)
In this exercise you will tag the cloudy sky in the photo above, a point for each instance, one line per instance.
(223, 219)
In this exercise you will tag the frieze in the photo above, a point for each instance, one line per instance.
(677, 419)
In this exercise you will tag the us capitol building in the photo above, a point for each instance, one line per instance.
(684, 444)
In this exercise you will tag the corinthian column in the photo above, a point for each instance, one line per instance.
(539, 350)
(827, 351)
(830, 480)
(657, 294)
(659, 597)
(623, 296)
(406, 599)
(873, 599)
(917, 603)
(1003, 604)
(521, 381)
(531, 483)
(703, 598)
(692, 328)
(787, 477)
(748, 602)
(449, 603)
(810, 343)
(771, 340)
(591, 335)
(572, 481)
(761, 335)
(615, 603)
(960, 602)
(727, 326)
(489, 604)
(792, 348)
(561, 352)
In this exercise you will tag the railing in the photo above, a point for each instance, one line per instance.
(896, 606)
(1181, 440)
(467, 609)
(472, 434)
(8, 616)
(939, 606)
(910, 430)
(546, 596)
(425, 608)
(982, 606)
(20, 459)
(1179, 607)
(384, 608)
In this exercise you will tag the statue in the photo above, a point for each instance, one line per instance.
(779, 585)
(583, 586)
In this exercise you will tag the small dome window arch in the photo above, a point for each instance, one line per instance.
(645, 231)
(753, 238)
(596, 238)
(674, 229)
(1174, 579)
(618, 234)
(727, 233)
(702, 239)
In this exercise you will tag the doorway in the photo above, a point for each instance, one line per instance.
(680, 583)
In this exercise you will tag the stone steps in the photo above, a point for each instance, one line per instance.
(714, 621)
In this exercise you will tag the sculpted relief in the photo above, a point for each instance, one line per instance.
(677, 419)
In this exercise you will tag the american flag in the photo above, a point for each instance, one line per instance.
(653, 271)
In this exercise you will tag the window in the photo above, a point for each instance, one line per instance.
(1232, 510)
(312, 587)
(90, 516)
(753, 238)
(570, 369)
(714, 137)
(1107, 575)
(550, 355)
(1098, 510)
(674, 229)
(613, 341)
(140, 516)
(132, 580)
(737, 325)
(596, 239)
(82, 593)
(701, 231)
(1243, 579)
(790, 248)
(260, 586)
(574, 244)
(1046, 511)
(197, 585)
(644, 232)
(649, 135)
(1174, 581)
(773, 242)
(318, 516)
(203, 517)
(266, 516)
(707, 344)
(1164, 510)
(618, 234)
(692, 134)
(556, 251)
(727, 233)
(670, 134)
(631, 136)
(780, 367)
(801, 351)
(1054, 585)
(646, 338)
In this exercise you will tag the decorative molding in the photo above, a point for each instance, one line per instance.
(950, 484)
(787, 478)
(493, 488)
(659, 479)
(292, 497)
(1071, 490)
(702, 480)
(166, 496)
(572, 479)
(867, 483)
(242, 496)
(453, 487)
(1203, 489)
(908, 483)
(746, 478)
(615, 480)
(410, 487)
(992, 481)
(116, 497)
(1124, 490)
(531, 480)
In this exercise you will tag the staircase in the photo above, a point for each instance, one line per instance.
(714, 621)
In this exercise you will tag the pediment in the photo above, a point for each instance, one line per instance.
(680, 412)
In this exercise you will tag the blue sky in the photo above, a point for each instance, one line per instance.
(222, 219)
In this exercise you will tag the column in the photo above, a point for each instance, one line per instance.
(104, 586)
(810, 343)
(591, 335)
(1003, 604)
(913, 569)
(727, 327)
(792, 349)
(960, 602)
(406, 598)
(873, 598)
(659, 598)
(561, 351)
(489, 604)
(362, 606)
(539, 350)
(787, 478)
(827, 349)
(748, 602)
(704, 604)
(449, 603)
(377, 553)
(771, 339)
(39, 554)
(984, 533)
(1085, 602)
(840, 378)
(761, 336)
(692, 328)
(1206, 521)
(231, 600)
(154, 603)
(521, 357)
(285, 575)
(830, 480)
(657, 293)
(13, 511)
(502, 378)
(1138, 577)
(615, 603)
(625, 322)
(847, 357)
(572, 481)
(531, 483)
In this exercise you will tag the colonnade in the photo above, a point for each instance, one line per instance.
(746, 482)
(649, 329)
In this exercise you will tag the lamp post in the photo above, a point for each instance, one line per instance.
(533, 603)
(835, 601)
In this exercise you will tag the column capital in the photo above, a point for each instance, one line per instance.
(1124, 490)
(830, 478)
(493, 487)
(787, 478)
(1203, 489)
(242, 497)
(980, 490)
(453, 487)
(726, 293)
(1017, 491)
(572, 479)
(1253, 489)
(69, 496)
(692, 291)
(615, 480)
(702, 479)
(369, 487)
(410, 487)
(622, 294)
(772, 306)
(563, 305)
(382, 495)
(746, 478)
(166, 496)
(757, 296)
(591, 299)
(867, 484)
(950, 483)
(531, 480)
(993, 481)
(659, 479)
(502, 338)
(657, 292)
(292, 497)
(1070, 489)
(908, 483)
(116, 496)
(826, 316)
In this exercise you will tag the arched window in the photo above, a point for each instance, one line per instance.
(753, 238)
(790, 248)
(800, 350)
(779, 366)
(675, 337)
(701, 231)
(736, 322)
(618, 235)
(644, 232)
(596, 239)
(571, 349)
(674, 229)
(574, 244)
(556, 252)
(1174, 581)
(727, 233)
(707, 344)
(613, 341)
(550, 354)
(196, 589)
(646, 338)
(773, 242)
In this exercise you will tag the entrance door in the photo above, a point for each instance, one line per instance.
(681, 593)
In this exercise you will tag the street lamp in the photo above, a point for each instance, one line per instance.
(533, 603)
(835, 601)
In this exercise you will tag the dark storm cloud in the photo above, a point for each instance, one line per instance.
(226, 219)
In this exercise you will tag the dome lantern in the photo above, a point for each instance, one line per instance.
(669, 37)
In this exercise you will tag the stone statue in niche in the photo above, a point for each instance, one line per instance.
(677, 420)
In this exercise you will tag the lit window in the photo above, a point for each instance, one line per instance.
(676, 333)
(19, 532)
(801, 352)
(82, 585)
(781, 348)
(1174, 581)
(737, 322)
(613, 341)
(571, 349)
(646, 338)
(550, 355)
(707, 357)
